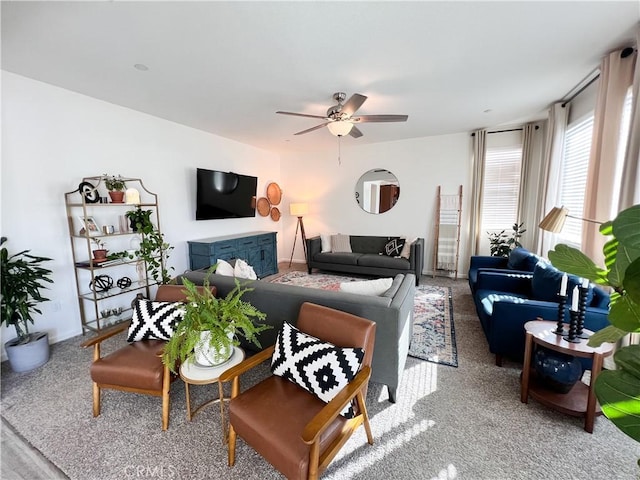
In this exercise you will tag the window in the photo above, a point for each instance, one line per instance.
(501, 187)
(573, 177)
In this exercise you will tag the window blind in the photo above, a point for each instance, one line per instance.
(573, 178)
(501, 187)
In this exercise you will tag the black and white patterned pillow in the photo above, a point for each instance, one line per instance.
(393, 248)
(154, 320)
(319, 367)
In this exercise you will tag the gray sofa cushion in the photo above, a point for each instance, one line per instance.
(339, 257)
(367, 244)
(382, 261)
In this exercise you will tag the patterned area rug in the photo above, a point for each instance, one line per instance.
(434, 337)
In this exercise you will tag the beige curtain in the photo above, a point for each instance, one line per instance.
(478, 161)
(552, 162)
(616, 75)
(630, 190)
(529, 212)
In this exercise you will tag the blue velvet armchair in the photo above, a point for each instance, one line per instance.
(506, 300)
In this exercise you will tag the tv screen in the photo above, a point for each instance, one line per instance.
(225, 195)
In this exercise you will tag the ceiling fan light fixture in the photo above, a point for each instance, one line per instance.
(340, 128)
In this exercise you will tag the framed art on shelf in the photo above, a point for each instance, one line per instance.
(89, 225)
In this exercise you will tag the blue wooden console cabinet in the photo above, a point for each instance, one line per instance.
(258, 249)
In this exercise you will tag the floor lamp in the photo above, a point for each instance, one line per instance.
(298, 210)
(554, 220)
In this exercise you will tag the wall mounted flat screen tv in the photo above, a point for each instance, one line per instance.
(224, 195)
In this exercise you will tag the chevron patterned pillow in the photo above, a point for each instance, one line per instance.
(319, 367)
(154, 320)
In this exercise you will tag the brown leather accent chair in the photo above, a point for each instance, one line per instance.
(136, 367)
(291, 428)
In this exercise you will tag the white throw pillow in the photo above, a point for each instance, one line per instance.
(224, 268)
(340, 244)
(244, 270)
(325, 239)
(367, 287)
(406, 250)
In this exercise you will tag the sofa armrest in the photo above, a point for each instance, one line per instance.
(483, 261)
(504, 281)
(314, 245)
(416, 258)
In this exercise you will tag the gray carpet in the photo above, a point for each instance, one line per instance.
(449, 423)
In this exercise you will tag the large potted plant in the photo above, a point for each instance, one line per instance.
(23, 277)
(115, 185)
(212, 326)
(618, 391)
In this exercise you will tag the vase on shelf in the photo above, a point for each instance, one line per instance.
(558, 371)
(116, 196)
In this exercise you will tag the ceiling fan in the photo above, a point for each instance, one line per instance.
(340, 118)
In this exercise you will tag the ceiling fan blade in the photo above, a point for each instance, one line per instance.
(353, 104)
(301, 114)
(312, 128)
(355, 133)
(380, 118)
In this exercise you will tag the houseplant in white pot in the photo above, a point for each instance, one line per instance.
(23, 277)
(211, 326)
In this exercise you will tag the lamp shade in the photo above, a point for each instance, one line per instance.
(298, 209)
(340, 128)
(554, 221)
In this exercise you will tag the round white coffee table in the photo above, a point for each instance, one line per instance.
(194, 374)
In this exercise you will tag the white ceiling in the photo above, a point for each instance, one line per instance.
(226, 67)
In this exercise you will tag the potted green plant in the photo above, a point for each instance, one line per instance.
(211, 326)
(100, 253)
(501, 243)
(23, 277)
(618, 391)
(152, 250)
(115, 185)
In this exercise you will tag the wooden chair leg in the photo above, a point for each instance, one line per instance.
(166, 384)
(314, 460)
(96, 399)
(232, 446)
(365, 417)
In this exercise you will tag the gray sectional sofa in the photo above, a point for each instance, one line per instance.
(366, 257)
(392, 312)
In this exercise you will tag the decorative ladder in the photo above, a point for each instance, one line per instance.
(446, 245)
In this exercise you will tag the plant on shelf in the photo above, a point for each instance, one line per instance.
(114, 183)
(99, 253)
(23, 277)
(211, 326)
(153, 250)
(618, 391)
(501, 243)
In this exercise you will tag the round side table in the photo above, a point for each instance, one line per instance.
(581, 400)
(193, 374)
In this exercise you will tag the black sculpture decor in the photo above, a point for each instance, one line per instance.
(582, 309)
(101, 283)
(124, 282)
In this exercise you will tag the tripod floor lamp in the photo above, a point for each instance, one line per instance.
(298, 210)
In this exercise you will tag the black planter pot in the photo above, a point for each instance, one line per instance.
(558, 371)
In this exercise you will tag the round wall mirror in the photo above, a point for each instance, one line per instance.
(377, 191)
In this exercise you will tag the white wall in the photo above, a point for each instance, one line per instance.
(420, 164)
(52, 137)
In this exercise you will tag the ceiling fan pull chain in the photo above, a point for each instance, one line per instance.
(339, 151)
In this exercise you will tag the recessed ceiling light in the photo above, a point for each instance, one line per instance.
(488, 110)
(140, 66)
